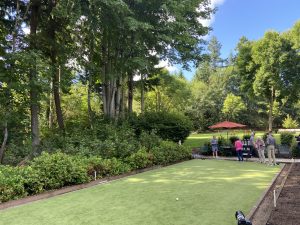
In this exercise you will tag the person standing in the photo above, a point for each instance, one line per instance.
(252, 143)
(260, 146)
(239, 149)
(214, 146)
(271, 148)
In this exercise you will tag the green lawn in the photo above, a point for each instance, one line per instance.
(209, 192)
(197, 140)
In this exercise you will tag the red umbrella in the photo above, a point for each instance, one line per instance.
(227, 125)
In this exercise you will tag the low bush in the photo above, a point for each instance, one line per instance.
(246, 137)
(286, 138)
(295, 151)
(233, 139)
(11, 183)
(51, 171)
(140, 159)
(169, 152)
(207, 150)
(58, 170)
(149, 140)
(169, 126)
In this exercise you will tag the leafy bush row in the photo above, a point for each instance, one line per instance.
(52, 171)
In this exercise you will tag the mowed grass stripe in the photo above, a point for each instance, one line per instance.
(209, 192)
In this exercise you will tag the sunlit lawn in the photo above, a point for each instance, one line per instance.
(209, 192)
(198, 140)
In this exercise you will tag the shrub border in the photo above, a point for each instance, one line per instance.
(64, 190)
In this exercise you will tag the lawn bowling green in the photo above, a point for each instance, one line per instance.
(208, 191)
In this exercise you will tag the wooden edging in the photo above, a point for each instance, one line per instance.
(258, 203)
(64, 190)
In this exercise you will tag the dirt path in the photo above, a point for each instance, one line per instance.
(287, 211)
(261, 213)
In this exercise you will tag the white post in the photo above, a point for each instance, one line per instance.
(274, 198)
(95, 175)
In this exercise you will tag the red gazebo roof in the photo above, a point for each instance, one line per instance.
(227, 125)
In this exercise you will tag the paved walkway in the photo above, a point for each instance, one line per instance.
(253, 159)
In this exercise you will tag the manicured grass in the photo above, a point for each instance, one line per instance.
(198, 140)
(209, 192)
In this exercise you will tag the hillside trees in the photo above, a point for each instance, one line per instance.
(49, 45)
(276, 77)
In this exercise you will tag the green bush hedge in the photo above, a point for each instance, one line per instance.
(169, 152)
(140, 160)
(295, 151)
(58, 170)
(168, 126)
(286, 138)
(51, 171)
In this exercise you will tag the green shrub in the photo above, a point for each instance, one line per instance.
(15, 153)
(11, 183)
(222, 141)
(246, 136)
(169, 126)
(233, 139)
(32, 182)
(140, 159)
(207, 148)
(149, 140)
(58, 170)
(105, 167)
(286, 138)
(295, 151)
(169, 152)
(290, 123)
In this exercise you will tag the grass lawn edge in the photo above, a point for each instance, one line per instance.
(77, 187)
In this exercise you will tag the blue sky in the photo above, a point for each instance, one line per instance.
(250, 18)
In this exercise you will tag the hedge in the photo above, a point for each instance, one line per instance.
(52, 171)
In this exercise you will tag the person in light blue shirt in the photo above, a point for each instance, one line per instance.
(214, 146)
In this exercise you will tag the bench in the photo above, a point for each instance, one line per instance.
(283, 151)
(246, 152)
(200, 151)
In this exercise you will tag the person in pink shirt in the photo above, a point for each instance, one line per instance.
(239, 147)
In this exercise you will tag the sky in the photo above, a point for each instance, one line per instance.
(249, 18)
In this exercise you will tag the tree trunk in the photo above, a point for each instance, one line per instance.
(50, 118)
(90, 111)
(2, 150)
(271, 104)
(118, 97)
(34, 104)
(56, 94)
(142, 95)
(122, 102)
(130, 93)
(56, 72)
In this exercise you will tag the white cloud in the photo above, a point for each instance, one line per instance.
(213, 4)
(166, 64)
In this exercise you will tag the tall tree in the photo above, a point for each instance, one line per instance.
(214, 52)
(34, 104)
(276, 77)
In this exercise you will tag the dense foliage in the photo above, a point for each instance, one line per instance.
(286, 138)
(168, 126)
(51, 171)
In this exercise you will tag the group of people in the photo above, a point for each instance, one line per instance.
(257, 144)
